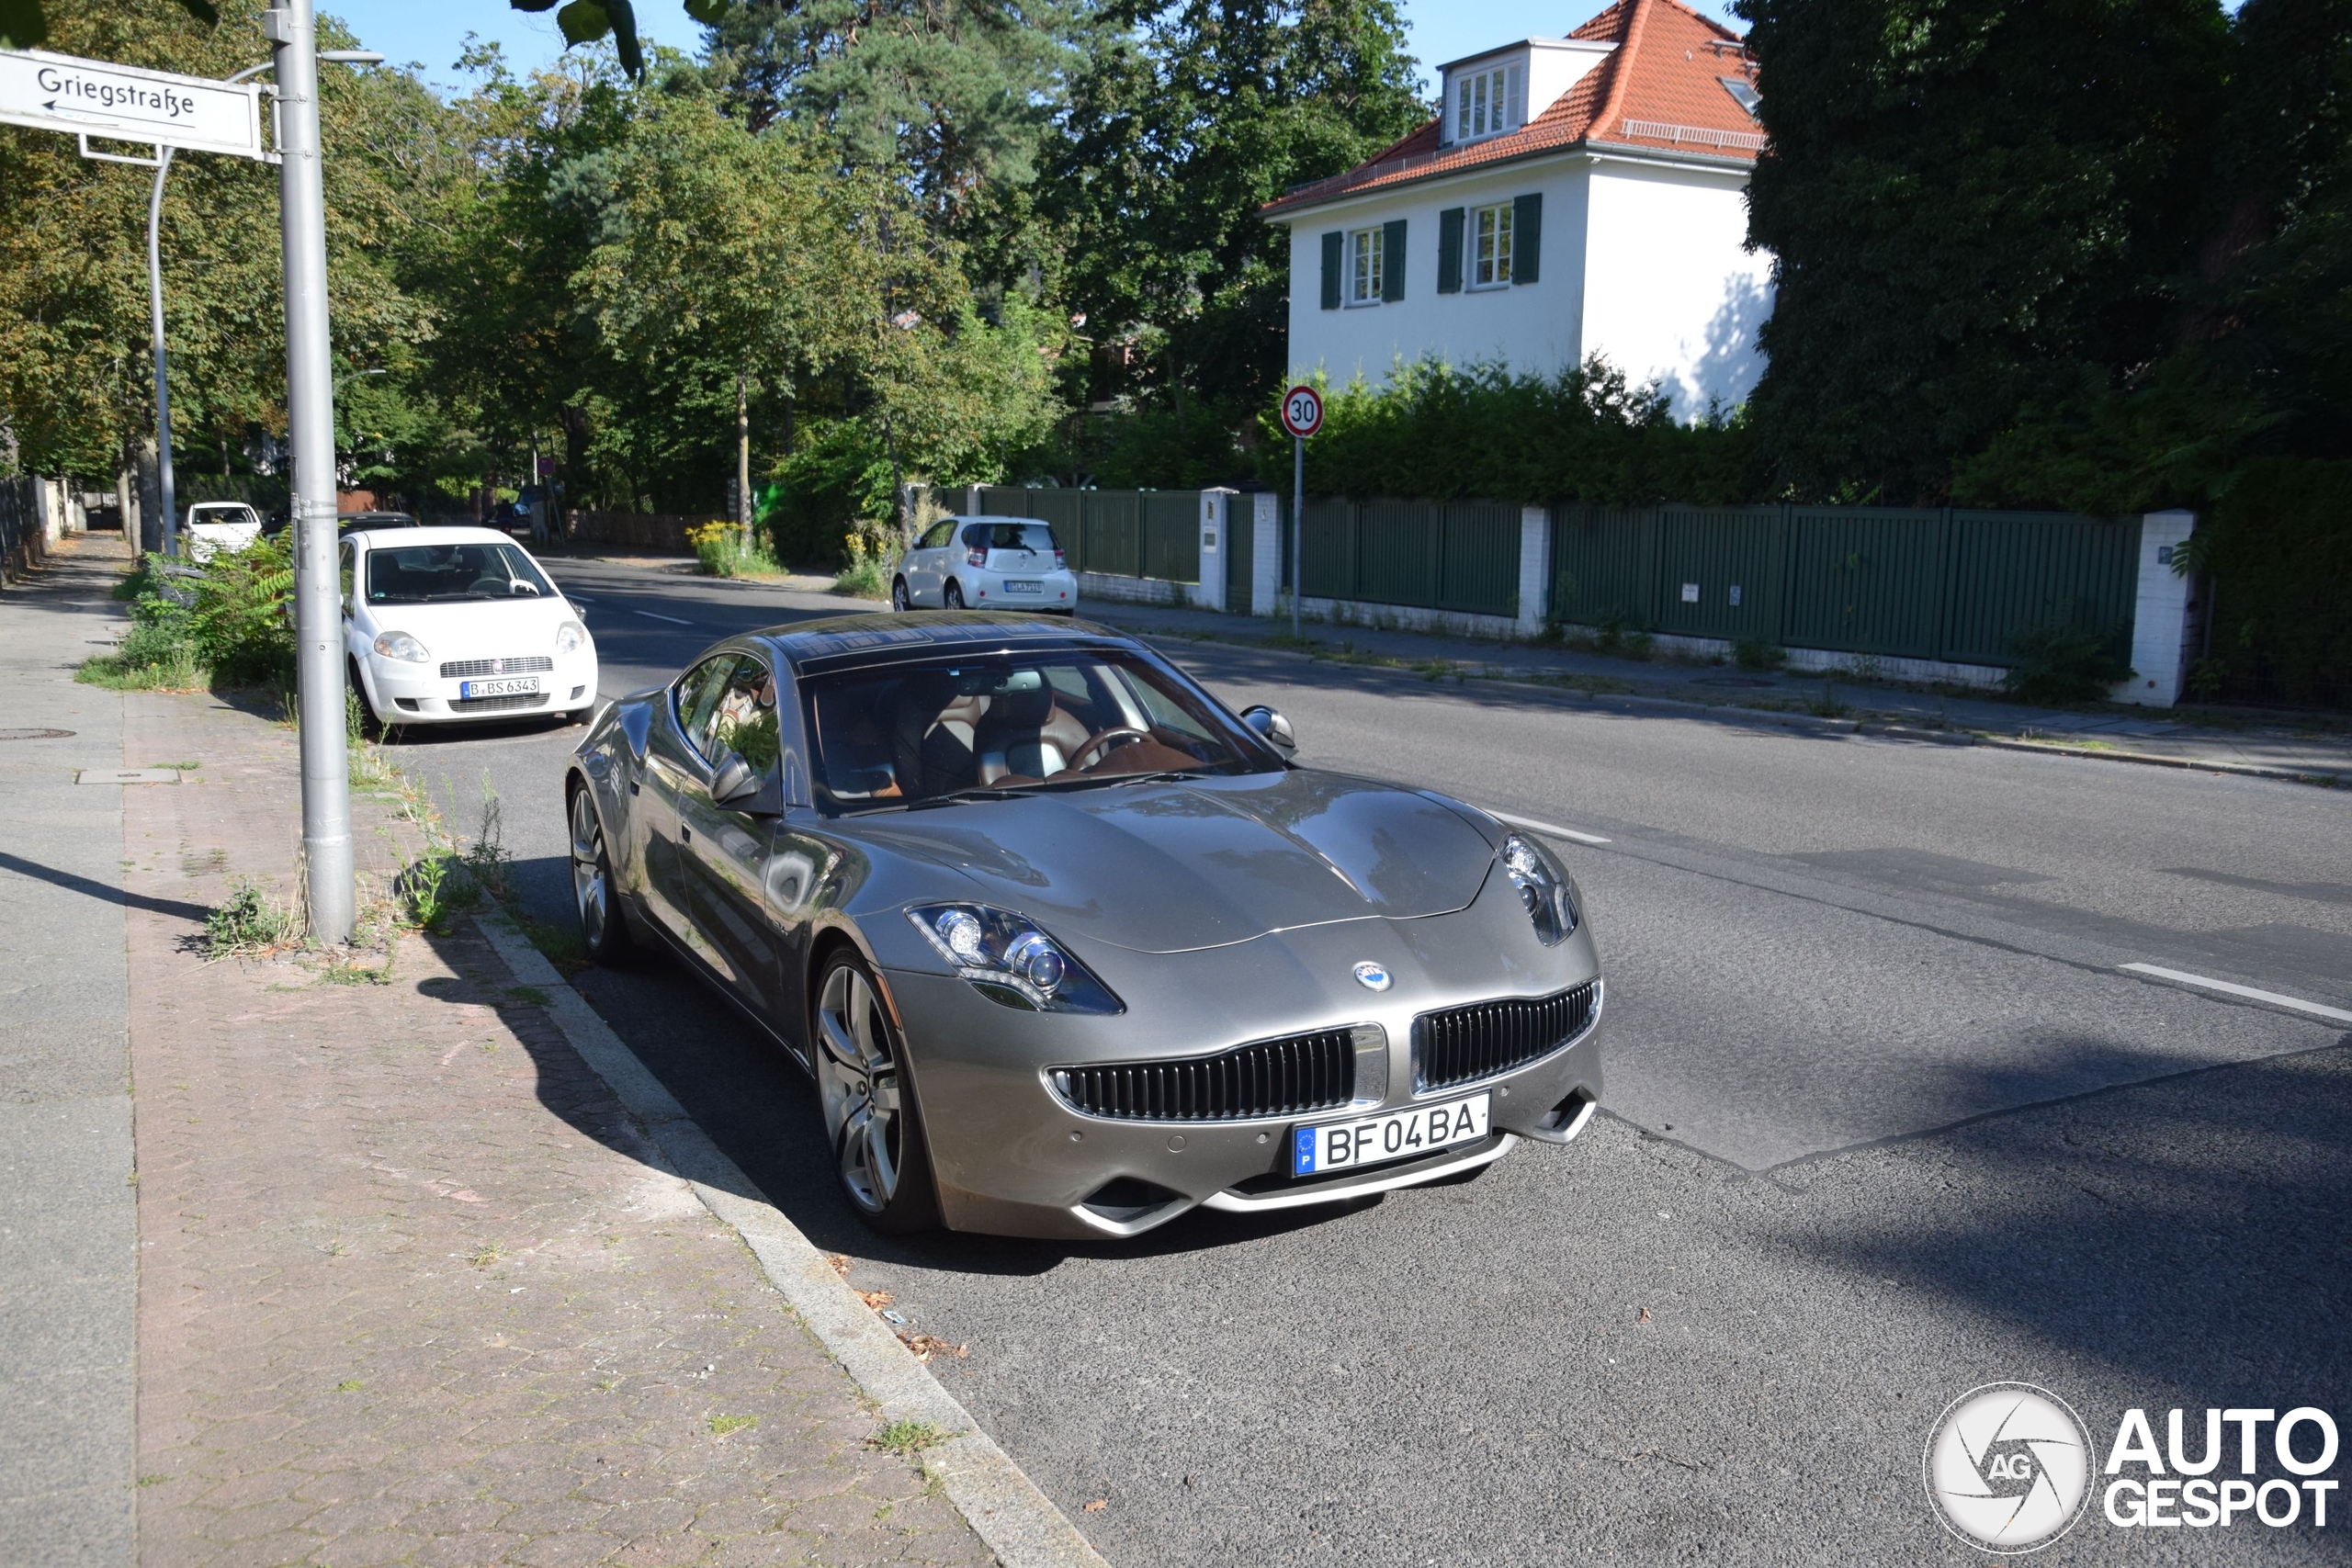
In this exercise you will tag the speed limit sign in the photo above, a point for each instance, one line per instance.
(1302, 411)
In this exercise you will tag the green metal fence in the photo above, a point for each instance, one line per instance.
(1123, 533)
(1948, 583)
(1459, 556)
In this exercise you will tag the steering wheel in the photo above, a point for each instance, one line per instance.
(1105, 741)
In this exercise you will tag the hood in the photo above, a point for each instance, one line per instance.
(1178, 866)
(479, 628)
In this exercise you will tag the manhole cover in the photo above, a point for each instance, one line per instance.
(1731, 680)
(35, 733)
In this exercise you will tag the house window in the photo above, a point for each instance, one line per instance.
(1367, 271)
(1483, 104)
(1490, 228)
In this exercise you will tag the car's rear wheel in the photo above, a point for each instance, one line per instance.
(371, 723)
(899, 599)
(868, 1103)
(604, 926)
(955, 595)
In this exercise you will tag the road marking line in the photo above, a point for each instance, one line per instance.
(672, 619)
(2273, 998)
(1557, 832)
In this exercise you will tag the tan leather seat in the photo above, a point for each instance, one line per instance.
(1029, 734)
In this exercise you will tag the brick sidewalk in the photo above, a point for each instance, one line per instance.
(412, 1287)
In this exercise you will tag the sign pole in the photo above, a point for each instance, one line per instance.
(1297, 514)
(310, 410)
(163, 477)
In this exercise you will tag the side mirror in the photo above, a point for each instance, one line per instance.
(737, 785)
(1271, 726)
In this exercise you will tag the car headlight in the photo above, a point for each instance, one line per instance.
(1544, 890)
(1009, 960)
(402, 647)
(570, 638)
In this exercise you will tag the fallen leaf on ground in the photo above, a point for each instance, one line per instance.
(1097, 1505)
(926, 1346)
(877, 1299)
(1644, 1317)
(839, 1264)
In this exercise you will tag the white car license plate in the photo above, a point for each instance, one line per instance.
(1022, 585)
(1400, 1134)
(513, 685)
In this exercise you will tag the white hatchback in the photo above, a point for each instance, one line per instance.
(220, 525)
(996, 563)
(453, 624)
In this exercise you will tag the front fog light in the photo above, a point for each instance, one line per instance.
(1009, 960)
(1544, 890)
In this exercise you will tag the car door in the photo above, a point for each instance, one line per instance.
(926, 581)
(671, 762)
(725, 850)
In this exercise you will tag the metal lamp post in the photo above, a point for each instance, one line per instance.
(166, 479)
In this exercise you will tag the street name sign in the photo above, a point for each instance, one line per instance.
(123, 103)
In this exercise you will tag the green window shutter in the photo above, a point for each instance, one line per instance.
(1391, 262)
(1526, 238)
(1332, 270)
(1448, 251)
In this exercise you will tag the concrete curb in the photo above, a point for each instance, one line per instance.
(1632, 702)
(1016, 1520)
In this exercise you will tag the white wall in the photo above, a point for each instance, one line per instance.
(1670, 292)
(1642, 262)
(1530, 326)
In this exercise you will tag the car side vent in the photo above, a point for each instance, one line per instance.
(1483, 1040)
(1272, 1077)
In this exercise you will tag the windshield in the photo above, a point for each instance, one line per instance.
(213, 512)
(1035, 536)
(902, 735)
(420, 574)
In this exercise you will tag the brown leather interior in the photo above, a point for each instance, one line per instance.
(1028, 734)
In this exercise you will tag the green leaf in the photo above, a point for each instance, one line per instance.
(583, 21)
(624, 23)
(532, 5)
(23, 24)
(710, 13)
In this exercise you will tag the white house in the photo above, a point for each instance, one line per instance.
(1578, 195)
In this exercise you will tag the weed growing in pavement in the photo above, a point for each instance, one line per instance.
(558, 941)
(1826, 705)
(721, 1425)
(1759, 653)
(425, 883)
(482, 1257)
(488, 858)
(871, 561)
(530, 995)
(726, 549)
(906, 1436)
(248, 921)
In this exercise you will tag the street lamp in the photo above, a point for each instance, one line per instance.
(165, 481)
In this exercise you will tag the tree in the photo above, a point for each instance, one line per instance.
(1176, 134)
(1972, 205)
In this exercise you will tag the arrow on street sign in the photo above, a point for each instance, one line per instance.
(123, 103)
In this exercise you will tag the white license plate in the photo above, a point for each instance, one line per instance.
(1397, 1134)
(513, 685)
(1022, 585)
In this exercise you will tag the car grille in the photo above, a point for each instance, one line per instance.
(497, 705)
(1273, 1077)
(529, 664)
(1463, 1044)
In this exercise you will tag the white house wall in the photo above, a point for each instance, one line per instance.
(1533, 326)
(1670, 292)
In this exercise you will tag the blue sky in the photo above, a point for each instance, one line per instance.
(432, 31)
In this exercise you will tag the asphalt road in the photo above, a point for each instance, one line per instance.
(1887, 1120)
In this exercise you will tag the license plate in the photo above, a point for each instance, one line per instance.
(1022, 585)
(513, 685)
(1398, 1134)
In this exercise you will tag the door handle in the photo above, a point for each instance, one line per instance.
(685, 834)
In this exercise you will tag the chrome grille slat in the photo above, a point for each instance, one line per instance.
(1485, 1040)
(525, 664)
(1271, 1077)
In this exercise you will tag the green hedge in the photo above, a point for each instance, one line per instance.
(2280, 552)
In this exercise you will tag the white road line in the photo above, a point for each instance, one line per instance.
(672, 619)
(2273, 998)
(1533, 826)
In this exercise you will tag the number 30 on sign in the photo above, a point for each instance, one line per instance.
(1302, 411)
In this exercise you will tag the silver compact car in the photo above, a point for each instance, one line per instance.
(986, 563)
(1069, 948)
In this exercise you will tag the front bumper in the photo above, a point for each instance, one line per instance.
(1013, 1159)
(402, 692)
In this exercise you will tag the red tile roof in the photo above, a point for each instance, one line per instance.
(1660, 89)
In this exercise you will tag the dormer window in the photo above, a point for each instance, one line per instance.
(1489, 100)
(1743, 92)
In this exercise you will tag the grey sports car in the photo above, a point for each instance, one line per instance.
(1070, 948)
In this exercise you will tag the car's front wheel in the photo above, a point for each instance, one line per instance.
(604, 926)
(869, 1104)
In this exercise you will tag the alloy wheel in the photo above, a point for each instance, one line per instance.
(898, 600)
(592, 887)
(858, 1080)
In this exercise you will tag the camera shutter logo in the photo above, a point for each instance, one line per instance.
(2009, 1467)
